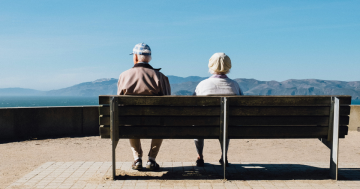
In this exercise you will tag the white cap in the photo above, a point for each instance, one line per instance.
(141, 48)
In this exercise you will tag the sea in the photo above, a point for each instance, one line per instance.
(39, 101)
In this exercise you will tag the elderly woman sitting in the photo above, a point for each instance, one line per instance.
(217, 84)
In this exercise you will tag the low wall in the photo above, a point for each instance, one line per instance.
(354, 122)
(34, 122)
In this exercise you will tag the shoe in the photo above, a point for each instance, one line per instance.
(152, 165)
(137, 165)
(200, 163)
(222, 162)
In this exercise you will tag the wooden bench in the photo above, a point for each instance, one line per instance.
(234, 117)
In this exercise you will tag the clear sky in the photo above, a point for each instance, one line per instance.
(54, 44)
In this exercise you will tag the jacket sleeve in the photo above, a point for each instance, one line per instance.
(165, 85)
(240, 91)
(167, 90)
(237, 88)
(119, 86)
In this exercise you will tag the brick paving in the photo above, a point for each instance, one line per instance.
(79, 175)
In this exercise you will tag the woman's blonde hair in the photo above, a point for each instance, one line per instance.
(219, 63)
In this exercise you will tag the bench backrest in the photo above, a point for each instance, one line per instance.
(202, 116)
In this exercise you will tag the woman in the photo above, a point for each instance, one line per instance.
(217, 84)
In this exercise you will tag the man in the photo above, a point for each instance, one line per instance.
(143, 79)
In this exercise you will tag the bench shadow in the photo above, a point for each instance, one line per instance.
(289, 172)
(243, 172)
(22, 139)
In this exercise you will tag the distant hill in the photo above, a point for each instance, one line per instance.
(176, 79)
(187, 85)
(108, 86)
(288, 87)
(300, 87)
(20, 92)
(105, 86)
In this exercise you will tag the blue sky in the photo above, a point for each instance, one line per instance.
(54, 44)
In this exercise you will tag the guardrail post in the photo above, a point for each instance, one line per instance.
(114, 129)
(224, 130)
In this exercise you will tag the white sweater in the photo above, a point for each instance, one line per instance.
(218, 86)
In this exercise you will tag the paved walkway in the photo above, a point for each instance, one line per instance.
(186, 175)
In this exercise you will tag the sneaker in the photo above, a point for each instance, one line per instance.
(200, 163)
(222, 162)
(137, 165)
(152, 165)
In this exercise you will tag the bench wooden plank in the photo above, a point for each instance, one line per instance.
(285, 111)
(184, 132)
(236, 120)
(233, 111)
(146, 131)
(165, 110)
(164, 100)
(237, 101)
(286, 100)
(285, 121)
(260, 132)
(244, 132)
(163, 121)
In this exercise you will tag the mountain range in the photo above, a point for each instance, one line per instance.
(187, 85)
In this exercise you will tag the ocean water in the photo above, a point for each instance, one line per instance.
(32, 101)
(355, 102)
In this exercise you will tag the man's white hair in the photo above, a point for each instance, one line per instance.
(222, 73)
(144, 58)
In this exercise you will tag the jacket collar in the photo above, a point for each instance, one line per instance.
(145, 65)
(218, 76)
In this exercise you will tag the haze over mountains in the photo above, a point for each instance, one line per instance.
(187, 85)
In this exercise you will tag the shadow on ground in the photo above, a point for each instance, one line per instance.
(241, 172)
(22, 139)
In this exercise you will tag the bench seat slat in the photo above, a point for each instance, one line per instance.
(164, 100)
(165, 110)
(285, 100)
(245, 132)
(236, 120)
(282, 132)
(215, 100)
(285, 120)
(285, 111)
(163, 121)
(184, 132)
(233, 111)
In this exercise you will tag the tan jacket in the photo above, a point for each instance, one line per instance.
(143, 79)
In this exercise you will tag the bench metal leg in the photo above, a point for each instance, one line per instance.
(332, 142)
(334, 154)
(224, 130)
(114, 129)
(113, 160)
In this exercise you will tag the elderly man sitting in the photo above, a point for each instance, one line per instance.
(143, 79)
